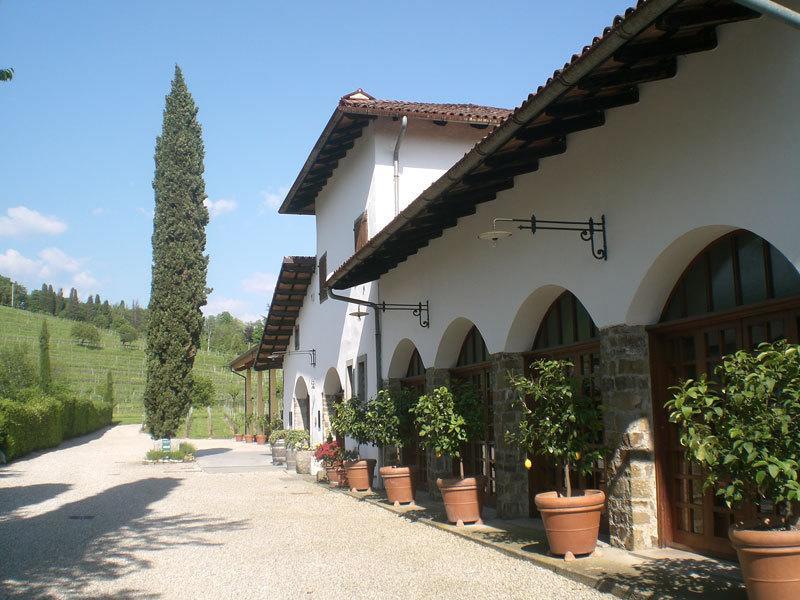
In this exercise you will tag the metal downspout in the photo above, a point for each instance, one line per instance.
(396, 160)
(378, 346)
(774, 10)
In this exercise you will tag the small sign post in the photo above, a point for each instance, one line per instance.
(166, 444)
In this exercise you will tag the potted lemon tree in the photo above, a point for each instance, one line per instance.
(387, 423)
(745, 432)
(350, 420)
(445, 422)
(560, 422)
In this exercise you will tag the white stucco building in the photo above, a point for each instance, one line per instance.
(679, 126)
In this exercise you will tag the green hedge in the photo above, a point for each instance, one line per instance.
(37, 420)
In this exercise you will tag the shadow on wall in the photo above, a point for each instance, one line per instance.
(684, 578)
(96, 539)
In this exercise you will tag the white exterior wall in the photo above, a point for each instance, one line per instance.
(715, 148)
(363, 179)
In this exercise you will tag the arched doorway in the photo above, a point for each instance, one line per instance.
(301, 409)
(738, 292)
(568, 332)
(413, 453)
(332, 394)
(473, 366)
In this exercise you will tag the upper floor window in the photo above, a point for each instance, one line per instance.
(361, 231)
(322, 271)
(361, 373)
(297, 337)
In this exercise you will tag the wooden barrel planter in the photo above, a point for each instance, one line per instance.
(399, 484)
(279, 452)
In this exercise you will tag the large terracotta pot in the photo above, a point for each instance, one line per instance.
(291, 459)
(336, 475)
(248, 438)
(279, 452)
(572, 524)
(463, 499)
(303, 462)
(261, 439)
(238, 437)
(398, 483)
(360, 474)
(770, 562)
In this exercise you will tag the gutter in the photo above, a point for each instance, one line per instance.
(628, 28)
(775, 10)
(378, 337)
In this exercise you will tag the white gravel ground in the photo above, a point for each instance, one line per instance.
(90, 521)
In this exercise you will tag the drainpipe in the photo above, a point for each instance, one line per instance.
(396, 157)
(376, 308)
(774, 10)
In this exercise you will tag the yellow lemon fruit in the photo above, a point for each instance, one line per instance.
(528, 463)
(577, 456)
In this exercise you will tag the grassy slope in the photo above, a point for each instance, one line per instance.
(84, 369)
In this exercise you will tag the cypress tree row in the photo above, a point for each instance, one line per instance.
(178, 287)
(45, 375)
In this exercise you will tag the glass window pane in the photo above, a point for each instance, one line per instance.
(785, 278)
(751, 268)
(722, 287)
(697, 289)
(553, 338)
(675, 307)
(567, 323)
(584, 324)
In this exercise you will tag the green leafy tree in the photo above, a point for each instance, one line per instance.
(349, 419)
(446, 420)
(85, 334)
(745, 431)
(108, 389)
(557, 420)
(127, 334)
(387, 419)
(6, 74)
(45, 374)
(178, 287)
(202, 392)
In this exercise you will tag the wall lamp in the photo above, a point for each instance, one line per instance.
(311, 353)
(588, 230)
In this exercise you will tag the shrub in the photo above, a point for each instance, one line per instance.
(278, 434)
(297, 439)
(328, 452)
(746, 431)
(17, 370)
(557, 421)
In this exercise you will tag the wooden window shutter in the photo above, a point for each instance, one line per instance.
(322, 272)
(361, 231)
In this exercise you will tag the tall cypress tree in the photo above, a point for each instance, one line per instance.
(178, 287)
(45, 375)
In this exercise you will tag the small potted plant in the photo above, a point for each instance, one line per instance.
(330, 454)
(745, 433)
(263, 430)
(302, 450)
(296, 439)
(277, 440)
(249, 425)
(446, 422)
(557, 420)
(387, 422)
(349, 420)
(238, 425)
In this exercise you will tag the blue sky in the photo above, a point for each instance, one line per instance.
(80, 118)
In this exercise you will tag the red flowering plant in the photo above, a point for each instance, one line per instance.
(328, 452)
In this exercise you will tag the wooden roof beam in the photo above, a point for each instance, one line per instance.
(561, 127)
(703, 40)
(552, 147)
(665, 69)
(581, 105)
(699, 16)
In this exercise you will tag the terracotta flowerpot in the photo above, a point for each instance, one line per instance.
(303, 462)
(261, 439)
(291, 460)
(238, 437)
(399, 484)
(248, 438)
(336, 475)
(279, 452)
(571, 523)
(360, 474)
(770, 562)
(463, 499)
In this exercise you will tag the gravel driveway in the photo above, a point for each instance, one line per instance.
(90, 521)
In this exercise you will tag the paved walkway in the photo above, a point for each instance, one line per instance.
(89, 520)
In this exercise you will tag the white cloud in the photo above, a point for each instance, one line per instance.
(219, 207)
(260, 283)
(98, 211)
(272, 198)
(53, 266)
(20, 220)
(237, 307)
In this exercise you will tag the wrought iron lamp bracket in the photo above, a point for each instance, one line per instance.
(312, 354)
(420, 310)
(589, 230)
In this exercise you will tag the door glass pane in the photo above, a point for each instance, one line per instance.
(567, 323)
(553, 338)
(696, 289)
(722, 289)
(584, 324)
(751, 268)
(785, 278)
